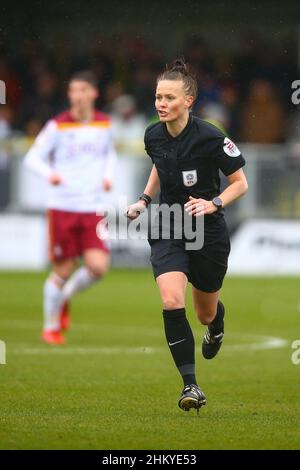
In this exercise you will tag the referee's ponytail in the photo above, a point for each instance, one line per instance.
(180, 70)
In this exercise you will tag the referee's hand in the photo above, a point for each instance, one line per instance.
(199, 207)
(134, 210)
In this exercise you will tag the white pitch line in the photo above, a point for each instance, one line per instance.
(82, 350)
(257, 341)
(14, 324)
(267, 343)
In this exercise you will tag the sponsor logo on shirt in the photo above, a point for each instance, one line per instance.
(230, 148)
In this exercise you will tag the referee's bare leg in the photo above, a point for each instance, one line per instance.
(205, 304)
(210, 311)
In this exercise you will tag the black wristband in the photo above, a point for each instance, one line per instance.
(146, 198)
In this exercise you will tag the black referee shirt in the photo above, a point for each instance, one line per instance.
(189, 164)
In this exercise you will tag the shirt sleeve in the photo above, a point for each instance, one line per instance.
(110, 158)
(37, 158)
(147, 147)
(228, 157)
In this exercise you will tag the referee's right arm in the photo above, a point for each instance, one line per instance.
(134, 210)
(151, 189)
(153, 184)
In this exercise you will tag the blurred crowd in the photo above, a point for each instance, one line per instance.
(247, 92)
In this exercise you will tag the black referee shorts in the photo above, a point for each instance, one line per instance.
(204, 268)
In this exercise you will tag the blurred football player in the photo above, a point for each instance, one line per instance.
(75, 153)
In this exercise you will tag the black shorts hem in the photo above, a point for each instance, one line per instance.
(205, 269)
(172, 270)
(206, 289)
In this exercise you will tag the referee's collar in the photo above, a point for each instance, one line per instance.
(182, 133)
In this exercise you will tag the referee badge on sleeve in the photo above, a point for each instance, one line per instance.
(189, 177)
(230, 148)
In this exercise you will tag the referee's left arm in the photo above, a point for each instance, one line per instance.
(238, 186)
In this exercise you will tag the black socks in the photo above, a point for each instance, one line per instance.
(181, 340)
(181, 343)
(217, 325)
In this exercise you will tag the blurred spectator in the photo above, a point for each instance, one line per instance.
(5, 131)
(293, 136)
(198, 54)
(143, 88)
(102, 67)
(33, 60)
(12, 83)
(32, 127)
(216, 114)
(127, 123)
(209, 91)
(240, 90)
(45, 103)
(262, 116)
(6, 117)
(246, 62)
(112, 92)
(229, 98)
(286, 72)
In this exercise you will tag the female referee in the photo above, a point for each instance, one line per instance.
(187, 154)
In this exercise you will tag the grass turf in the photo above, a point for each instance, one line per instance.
(114, 386)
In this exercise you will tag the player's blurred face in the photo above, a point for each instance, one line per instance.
(171, 100)
(81, 94)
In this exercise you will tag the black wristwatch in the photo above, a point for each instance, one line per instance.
(146, 198)
(217, 201)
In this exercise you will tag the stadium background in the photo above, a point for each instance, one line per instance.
(246, 59)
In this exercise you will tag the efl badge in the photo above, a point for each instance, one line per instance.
(189, 177)
(230, 148)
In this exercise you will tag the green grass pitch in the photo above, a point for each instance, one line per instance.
(114, 385)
